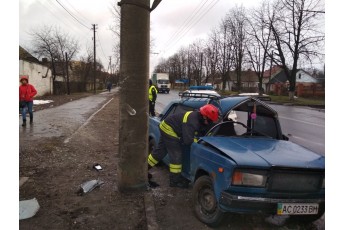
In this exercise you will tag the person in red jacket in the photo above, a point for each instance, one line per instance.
(26, 95)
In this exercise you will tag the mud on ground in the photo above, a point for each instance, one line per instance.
(56, 170)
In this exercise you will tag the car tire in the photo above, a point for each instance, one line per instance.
(205, 203)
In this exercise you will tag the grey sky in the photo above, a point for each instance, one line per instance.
(166, 20)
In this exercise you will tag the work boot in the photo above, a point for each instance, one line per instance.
(24, 123)
(31, 119)
(177, 180)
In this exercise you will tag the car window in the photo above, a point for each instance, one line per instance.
(266, 125)
(262, 126)
(177, 108)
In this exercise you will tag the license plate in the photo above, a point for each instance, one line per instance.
(297, 208)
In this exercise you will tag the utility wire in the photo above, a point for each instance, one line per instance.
(72, 15)
(59, 18)
(99, 40)
(205, 12)
(182, 27)
(84, 18)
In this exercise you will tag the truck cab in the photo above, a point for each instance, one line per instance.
(161, 81)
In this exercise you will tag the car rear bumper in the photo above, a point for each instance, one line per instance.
(246, 204)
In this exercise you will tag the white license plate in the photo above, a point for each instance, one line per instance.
(297, 208)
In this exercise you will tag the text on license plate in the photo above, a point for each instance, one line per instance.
(297, 208)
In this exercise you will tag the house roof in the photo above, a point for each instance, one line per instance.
(282, 78)
(25, 55)
(275, 70)
(278, 78)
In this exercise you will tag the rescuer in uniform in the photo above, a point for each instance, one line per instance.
(152, 98)
(178, 129)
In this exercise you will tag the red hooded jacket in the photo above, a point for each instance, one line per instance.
(27, 92)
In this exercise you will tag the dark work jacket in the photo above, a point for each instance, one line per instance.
(186, 131)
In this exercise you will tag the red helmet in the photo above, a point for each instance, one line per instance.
(210, 111)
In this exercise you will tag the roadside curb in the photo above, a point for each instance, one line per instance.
(150, 211)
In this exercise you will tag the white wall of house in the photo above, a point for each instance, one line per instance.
(39, 76)
(304, 77)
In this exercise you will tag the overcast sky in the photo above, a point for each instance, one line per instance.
(174, 23)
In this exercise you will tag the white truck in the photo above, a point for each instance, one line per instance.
(161, 81)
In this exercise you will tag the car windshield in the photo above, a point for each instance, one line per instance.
(163, 81)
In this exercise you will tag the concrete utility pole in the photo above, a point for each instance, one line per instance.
(68, 90)
(134, 75)
(94, 58)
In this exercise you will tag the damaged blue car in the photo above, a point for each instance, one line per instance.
(246, 165)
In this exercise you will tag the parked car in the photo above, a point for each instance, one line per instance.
(263, 97)
(248, 165)
(200, 90)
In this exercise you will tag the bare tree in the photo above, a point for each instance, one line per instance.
(51, 42)
(226, 60)
(260, 33)
(237, 23)
(296, 35)
(115, 28)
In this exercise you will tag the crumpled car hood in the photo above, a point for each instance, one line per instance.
(264, 152)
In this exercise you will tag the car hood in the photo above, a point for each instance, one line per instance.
(263, 152)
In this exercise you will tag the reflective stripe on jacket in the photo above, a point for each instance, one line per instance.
(152, 93)
(183, 126)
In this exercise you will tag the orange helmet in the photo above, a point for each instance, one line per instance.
(210, 111)
(24, 77)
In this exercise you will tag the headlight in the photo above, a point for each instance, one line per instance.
(249, 178)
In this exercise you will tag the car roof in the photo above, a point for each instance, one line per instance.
(224, 104)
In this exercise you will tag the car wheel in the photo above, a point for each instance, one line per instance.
(205, 203)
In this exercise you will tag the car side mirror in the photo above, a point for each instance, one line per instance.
(285, 138)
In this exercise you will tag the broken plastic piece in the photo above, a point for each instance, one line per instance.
(28, 208)
(97, 167)
(88, 186)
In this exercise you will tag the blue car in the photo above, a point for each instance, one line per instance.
(247, 165)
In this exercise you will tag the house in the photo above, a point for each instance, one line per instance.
(306, 83)
(39, 75)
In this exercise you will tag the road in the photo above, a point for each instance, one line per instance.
(304, 126)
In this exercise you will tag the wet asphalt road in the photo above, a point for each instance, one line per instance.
(64, 120)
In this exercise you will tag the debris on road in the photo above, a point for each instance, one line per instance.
(28, 208)
(88, 186)
(97, 167)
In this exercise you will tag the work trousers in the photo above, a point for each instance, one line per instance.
(152, 108)
(171, 146)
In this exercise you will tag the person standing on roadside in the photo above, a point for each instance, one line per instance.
(26, 95)
(152, 98)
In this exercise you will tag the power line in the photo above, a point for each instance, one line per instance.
(99, 40)
(182, 27)
(84, 18)
(59, 18)
(191, 26)
(72, 15)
